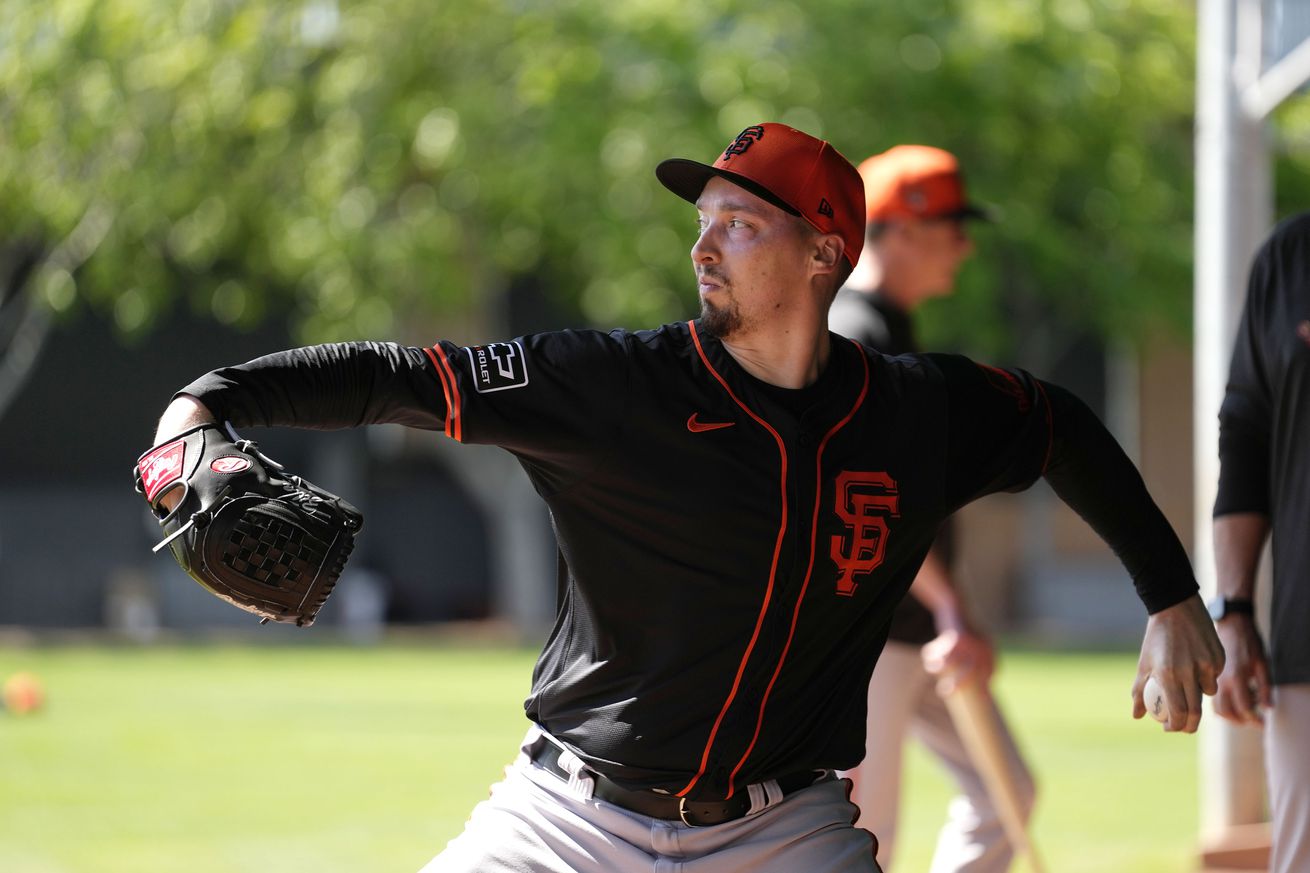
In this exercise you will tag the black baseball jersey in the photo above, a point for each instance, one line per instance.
(730, 552)
(1264, 433)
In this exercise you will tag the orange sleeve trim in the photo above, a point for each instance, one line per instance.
(773, 570)
(809, 572)
(449, 388)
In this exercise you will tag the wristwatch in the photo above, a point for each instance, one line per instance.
(1221, 607)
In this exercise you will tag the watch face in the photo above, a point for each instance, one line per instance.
(1223, 606)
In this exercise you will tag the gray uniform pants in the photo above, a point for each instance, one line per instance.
(903, 700)
(536, 822)
(1287, 762)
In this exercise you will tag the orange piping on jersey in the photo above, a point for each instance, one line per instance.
(773, 568)
(1050, 425)
(454, 427)
(456, 415)
(809, 570)
(445, 389)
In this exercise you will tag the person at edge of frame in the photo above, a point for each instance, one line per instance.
(1264, 493)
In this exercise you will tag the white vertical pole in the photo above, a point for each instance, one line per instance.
(1233, 213)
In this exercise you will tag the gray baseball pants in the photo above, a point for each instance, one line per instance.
(1287, 762)
(536, 822)
(903, 700)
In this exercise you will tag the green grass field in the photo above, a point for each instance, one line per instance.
(325, 758)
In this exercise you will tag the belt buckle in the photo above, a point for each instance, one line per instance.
(682, 813)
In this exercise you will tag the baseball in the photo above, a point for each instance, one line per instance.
(23, 693)
(1153, 694)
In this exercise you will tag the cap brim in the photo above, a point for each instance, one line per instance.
(974, 212)
(688, 178)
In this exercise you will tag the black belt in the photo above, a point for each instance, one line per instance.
(670, 807)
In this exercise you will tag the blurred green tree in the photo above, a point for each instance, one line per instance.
(370, 167)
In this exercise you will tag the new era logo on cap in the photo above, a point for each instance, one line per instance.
(792, 170)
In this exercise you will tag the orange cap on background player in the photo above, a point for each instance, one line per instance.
(915, 181)
(790, 169)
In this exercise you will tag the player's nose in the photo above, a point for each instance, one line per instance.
(705, 250)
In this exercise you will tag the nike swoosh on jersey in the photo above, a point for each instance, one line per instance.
(696, 426)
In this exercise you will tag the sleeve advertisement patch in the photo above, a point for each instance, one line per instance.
(498, 366)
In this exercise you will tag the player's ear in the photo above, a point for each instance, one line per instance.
(827, 253)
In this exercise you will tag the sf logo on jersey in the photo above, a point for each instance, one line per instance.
(864, 503)
(498, 366)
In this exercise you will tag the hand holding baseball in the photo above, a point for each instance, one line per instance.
(1182, 654)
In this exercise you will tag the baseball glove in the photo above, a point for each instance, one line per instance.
(256, 536)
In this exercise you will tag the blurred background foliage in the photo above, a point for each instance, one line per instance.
(368, 169)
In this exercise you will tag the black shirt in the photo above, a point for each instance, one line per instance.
(1264, 433)
(729, 567)
(874, 320)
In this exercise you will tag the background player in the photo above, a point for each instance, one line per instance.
(1264, 483)
(739, 503)
(916, 239)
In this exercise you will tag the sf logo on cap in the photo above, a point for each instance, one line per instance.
(744, 141)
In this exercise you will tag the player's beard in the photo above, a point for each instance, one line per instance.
(720, 320)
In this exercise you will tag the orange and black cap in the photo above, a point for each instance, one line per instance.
(794, 171)
(916, 181)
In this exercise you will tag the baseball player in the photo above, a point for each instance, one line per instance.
(916, 239)
(739, 502)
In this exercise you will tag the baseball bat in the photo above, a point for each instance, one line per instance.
(974, 720)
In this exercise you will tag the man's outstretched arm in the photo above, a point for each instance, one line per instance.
(1090, 472)
(1007, 429)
